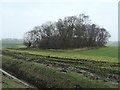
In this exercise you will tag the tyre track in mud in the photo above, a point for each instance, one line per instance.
(63, 67)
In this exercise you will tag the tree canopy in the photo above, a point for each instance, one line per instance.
(70, 32)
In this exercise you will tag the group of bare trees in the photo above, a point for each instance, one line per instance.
(71, 32)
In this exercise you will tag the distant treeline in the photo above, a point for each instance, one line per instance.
(71, 32)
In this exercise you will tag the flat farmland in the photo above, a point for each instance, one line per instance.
(108, 54)
(78, 68)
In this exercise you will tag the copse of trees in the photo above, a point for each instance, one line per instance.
(71, 32)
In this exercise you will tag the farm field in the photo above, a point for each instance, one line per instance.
(96, 68)
(51, 74)
(59, 45)
(5, 44)
(108, 54)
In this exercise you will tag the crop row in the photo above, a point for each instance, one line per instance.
(39, 75)
(93, 70)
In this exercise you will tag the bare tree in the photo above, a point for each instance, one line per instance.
(71, 32)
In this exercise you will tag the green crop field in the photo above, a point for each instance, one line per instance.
(108, 54)
(77, 68)
(5, 44)
(51, 77)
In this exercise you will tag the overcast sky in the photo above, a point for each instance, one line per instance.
(20, 16)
